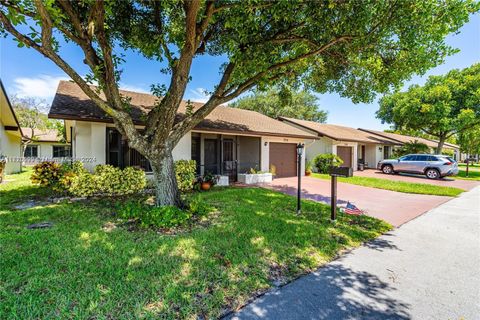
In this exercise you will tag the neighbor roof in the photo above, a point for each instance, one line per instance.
(48, 135)
(406, 139)
(71, 103)
(7, 114)
(340, 133)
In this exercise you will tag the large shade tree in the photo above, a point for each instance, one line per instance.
(445, 106)
(355, 48)
(469, 141)
(283, 101)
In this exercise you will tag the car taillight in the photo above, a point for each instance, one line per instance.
(447, 163)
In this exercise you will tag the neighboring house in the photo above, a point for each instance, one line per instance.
(44, 144)
(402, 139)
(10, 134)
(229, 141)
(353, 146)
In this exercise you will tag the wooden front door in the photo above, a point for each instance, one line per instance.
(284, 157)
(345, 153)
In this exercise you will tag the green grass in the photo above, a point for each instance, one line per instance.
(472, 175)
(399, 186)
(84, 269)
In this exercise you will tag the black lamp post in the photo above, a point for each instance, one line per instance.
(300, 148)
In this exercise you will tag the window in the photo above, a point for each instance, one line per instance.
(421, 158)
(31, 151)
(119, 154)
(407, 158)
(62, 151)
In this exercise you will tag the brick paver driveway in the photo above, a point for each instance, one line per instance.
(446, 182)
(393, 207)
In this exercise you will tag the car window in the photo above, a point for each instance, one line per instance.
(407, 158)
(421, 158)
(432, 158)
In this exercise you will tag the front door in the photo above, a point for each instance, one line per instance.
(229, 163)
(211, 156)
(345, 153)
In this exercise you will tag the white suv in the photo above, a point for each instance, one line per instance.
(432, 166)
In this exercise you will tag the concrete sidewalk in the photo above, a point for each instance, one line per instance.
(427, 269)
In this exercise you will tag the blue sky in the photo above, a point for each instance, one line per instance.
(25, 72)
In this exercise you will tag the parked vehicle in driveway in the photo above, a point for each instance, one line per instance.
(432, 166)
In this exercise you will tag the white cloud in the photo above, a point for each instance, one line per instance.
(43, 86)
(134, 88)
(199, 95)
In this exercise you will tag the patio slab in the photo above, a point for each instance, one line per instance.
(445, 182)
(393, 207)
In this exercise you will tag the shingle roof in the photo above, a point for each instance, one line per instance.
(340, 133)
(71, 103)
(48, 135)
(406, 139)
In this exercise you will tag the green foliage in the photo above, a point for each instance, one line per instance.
(410, 148)
(283, 101)
(469, 140)
(309, 166)
(46, 173)
(165, 216)
(108, 181)
(185, 171)
(445, 105)
(208, 178)
(84, 185)
(323, 162)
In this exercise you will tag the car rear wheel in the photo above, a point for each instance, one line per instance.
(432, 174)
(387, 169)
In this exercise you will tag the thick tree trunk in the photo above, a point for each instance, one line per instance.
(441, 142)
(166, 187)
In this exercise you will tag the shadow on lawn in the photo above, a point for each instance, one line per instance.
(333, 292)
(256, 241)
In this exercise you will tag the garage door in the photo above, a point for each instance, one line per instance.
(345, 153)
(284, 157)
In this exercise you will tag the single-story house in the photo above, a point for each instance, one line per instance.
(10, 134)
(402, 139)
(353, 146)
(229, 141)
(44, 144)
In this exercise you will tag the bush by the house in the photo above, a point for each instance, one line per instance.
(323, 162)
(185, 172)
(108, 181)
(162, 217)
(46, 173)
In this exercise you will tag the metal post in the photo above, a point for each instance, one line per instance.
(299, 188)
(333, 204)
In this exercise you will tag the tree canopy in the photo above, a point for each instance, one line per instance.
(32, 114)
(446, 105)
(283, 101)
(354, 48)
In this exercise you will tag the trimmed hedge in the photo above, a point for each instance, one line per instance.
(185, 171)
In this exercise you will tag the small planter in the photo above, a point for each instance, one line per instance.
(254, 178)
(206, 186)
(308, 173)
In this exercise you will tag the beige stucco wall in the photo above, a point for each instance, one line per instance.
(183, 150)
(320, 146)
(10, 146)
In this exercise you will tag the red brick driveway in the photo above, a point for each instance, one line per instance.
(393, 207)
(446, 182)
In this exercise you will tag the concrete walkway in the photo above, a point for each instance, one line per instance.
(427, 269)
(393, 207)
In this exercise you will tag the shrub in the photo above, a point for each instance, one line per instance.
(46, 173)
(84, 185)
(323, 162)
(162, 217)
(108, 180)
(185, 172)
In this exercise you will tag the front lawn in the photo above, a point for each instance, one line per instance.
(472, 174)
(87, 267)
(399, 186)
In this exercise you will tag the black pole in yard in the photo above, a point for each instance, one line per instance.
(299, 174)
(333, 204)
